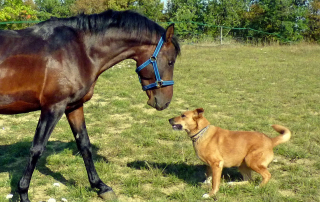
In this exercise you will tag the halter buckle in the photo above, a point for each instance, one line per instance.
(153, 59)
(159, 84)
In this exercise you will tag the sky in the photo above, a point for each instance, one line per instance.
(164, 1)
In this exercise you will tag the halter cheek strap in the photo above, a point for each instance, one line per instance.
(153, 60)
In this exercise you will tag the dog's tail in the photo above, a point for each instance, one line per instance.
(284, 137)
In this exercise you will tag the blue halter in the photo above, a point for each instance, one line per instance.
(153, 60)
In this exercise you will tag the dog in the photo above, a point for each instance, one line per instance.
(220, 148)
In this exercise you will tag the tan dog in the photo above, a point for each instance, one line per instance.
(221, 148)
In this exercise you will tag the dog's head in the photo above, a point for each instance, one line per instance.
(190, 121)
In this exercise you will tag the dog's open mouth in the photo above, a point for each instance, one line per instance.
(177, 127)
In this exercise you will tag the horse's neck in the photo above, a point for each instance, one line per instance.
(106, 51)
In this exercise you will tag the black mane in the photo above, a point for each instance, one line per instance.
(128, 21)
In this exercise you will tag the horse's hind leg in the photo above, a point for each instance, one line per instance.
(48, 120)
(78, 127)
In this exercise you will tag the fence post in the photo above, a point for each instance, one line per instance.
(221, 35)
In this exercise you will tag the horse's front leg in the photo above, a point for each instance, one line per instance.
(47, 121)
(78, 127)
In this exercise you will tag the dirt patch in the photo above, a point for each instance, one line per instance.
(286, 193)
(220, 115)
(122, 117)
(172, 189)
(127, 199)
(142, 108)
(306, 162)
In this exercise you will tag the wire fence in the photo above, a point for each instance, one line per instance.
(19, 22)
(278, 36)
(221, 36)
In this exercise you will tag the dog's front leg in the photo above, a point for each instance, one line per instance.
(216, 169)
(208, 175)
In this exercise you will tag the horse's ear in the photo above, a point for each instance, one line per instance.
(169, 33)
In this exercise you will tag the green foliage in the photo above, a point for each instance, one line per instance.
(224, 13)
(16, 10)
(150, 8)
(57, 8)
(312, 32)
(185, 12)
(263, 20)
(97, 6)
(281, 17)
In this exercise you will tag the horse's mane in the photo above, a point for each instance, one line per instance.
(128, 21)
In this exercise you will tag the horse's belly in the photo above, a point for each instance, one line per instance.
(20, 102)
(18, 108)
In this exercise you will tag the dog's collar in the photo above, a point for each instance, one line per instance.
(199, 134)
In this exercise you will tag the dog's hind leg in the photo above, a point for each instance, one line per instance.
(263, 171)
(259, 161)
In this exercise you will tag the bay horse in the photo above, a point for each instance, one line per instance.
(53, 67)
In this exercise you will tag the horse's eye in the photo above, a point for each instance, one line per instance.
(170, 63)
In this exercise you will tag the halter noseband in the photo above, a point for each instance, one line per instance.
(153, 60)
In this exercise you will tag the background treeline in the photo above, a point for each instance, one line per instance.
(287, 20)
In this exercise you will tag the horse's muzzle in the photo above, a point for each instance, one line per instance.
(158, 105)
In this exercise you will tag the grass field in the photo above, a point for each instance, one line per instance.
(143, 159)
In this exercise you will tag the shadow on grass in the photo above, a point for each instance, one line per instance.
(13, 159)
(191, 174)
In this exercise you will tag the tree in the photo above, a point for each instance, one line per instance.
(57, 8)
(188, 15)
(313, 17)
(1, 3)
(97, 6)
(227, 13)
(150, 8)
(283, 18)
(16, 10)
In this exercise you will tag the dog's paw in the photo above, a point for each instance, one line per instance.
(205, 196)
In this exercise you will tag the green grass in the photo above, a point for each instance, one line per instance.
(143, 159)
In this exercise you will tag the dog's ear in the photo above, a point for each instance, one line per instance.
(199, 112)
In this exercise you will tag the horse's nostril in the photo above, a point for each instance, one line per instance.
(158, 105)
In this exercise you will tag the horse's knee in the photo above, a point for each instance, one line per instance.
(23, 186)
(36, 151)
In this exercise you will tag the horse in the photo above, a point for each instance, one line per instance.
(53, 67)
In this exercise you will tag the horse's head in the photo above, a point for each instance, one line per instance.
(155, 69)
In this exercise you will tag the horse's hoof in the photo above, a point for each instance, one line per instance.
(109, 196)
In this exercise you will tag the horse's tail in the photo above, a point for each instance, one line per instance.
(284, 137)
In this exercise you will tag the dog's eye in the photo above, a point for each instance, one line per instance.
(183, 116)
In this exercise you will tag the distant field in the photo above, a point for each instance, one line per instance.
(143, 159)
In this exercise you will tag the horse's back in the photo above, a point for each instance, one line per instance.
(36, 65)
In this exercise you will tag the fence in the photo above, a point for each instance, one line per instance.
(183, 32)
(221, 36)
